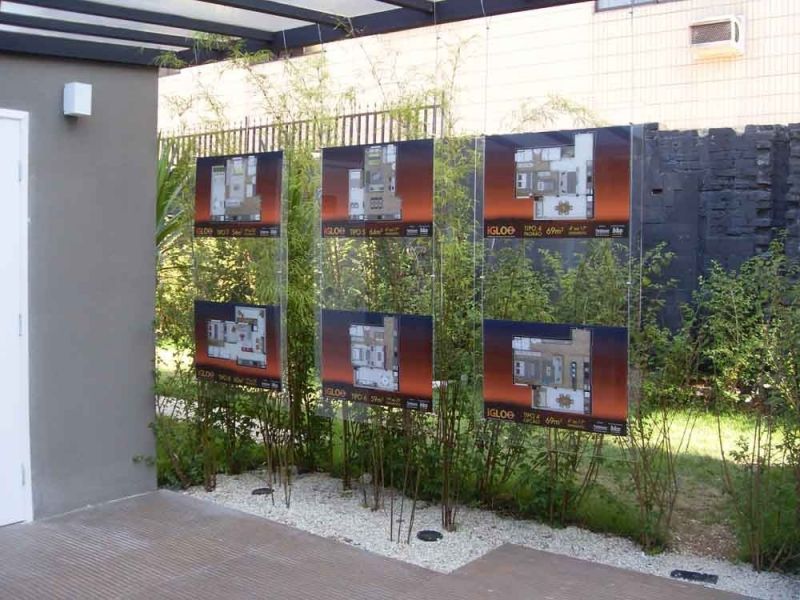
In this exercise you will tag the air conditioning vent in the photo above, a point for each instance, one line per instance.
(711, 32)
(718, 37)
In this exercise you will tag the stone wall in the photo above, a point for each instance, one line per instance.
(719, 195)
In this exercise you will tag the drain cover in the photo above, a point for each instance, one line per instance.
(429, 535)
(694, 576)
(265, 491)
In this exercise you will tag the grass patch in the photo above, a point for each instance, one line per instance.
(604, 511)
(169, 359)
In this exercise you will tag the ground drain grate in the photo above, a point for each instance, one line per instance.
(694, 576)
(429, 535)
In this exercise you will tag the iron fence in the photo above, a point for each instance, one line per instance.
(369, 127)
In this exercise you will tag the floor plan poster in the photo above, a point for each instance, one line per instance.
(238, 344)
(558, 184)
(239, 196)
(378, 190)
(378, 358)
(556, 375)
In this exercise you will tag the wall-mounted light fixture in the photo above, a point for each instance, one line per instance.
(77, 99)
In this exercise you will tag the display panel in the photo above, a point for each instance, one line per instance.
(239, 195)
(557, 375)
(378, 358)
(238, 344)
(378, 190)
(558, 184)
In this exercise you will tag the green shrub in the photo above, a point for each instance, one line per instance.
(750, 322)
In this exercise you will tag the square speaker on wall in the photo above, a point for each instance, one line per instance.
(77, 99)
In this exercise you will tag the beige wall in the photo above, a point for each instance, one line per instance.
(625, 65)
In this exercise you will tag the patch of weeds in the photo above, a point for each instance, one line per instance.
(604, 512)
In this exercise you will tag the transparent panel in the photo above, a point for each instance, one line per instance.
(557, 268)
(211, 12)
(346, 8)
(376, 328)
(240, 283)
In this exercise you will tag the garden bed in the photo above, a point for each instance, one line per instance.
(320, 506)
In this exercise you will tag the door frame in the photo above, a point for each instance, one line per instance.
(24, 221)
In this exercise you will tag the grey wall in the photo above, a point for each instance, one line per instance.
(91, 278)
(719, 196)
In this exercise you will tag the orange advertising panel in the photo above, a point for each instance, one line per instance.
(239, 195)
(238, 344)
(378, 190)
(558, 184)
(556, 375)
(378, 358)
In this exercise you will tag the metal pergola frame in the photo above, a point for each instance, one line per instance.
(321, 27)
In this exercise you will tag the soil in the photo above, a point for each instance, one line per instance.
(701, 521)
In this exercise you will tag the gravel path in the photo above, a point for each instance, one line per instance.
(320, 506)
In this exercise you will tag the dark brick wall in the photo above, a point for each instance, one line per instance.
(719, 195)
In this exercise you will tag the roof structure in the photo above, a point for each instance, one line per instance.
(143, 32)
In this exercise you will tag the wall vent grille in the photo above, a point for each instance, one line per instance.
(707, 33)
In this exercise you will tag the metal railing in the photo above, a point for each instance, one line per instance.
(369, 127)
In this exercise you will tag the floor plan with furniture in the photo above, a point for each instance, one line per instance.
(374, 357)
(234, 194)
(373, 189)
(243, 340)
(559, 179)
(558, 371)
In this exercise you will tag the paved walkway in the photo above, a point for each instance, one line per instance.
(166, 545)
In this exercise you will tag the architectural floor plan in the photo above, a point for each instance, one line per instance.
(373, 355)
(559, 179)
(558, 371)
(242, 340)
(234, 196)
(373, 189)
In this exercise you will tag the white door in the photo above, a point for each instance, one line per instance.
(15, 486)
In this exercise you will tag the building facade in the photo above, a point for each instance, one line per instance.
(86, 325)
(624, 64)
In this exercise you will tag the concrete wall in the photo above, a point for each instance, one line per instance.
(91, 282)
(628, 66)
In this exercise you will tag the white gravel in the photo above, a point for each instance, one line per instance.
(321, 507)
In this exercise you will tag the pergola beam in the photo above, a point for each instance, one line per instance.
(323, 27)
(447, 11)
(422, 5)
(279, 9)
(26, 43)
(115, 33)
(200, 53)
(152, 17)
